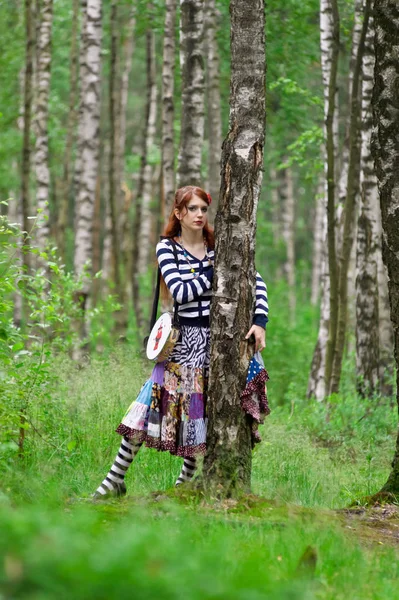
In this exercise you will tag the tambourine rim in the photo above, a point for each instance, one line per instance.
(161, 347)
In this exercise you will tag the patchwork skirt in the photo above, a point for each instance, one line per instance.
(170, 411)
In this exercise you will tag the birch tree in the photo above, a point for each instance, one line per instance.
(168, 80)
(27, 118)
(71, 131)
(193, 92)
(227, 464)
(349, 211)
(368, 247)
(214, 113)
(89, 140)
(385, 150)
(142, 222)
(41, 118)
(323, 353)
(288, 230)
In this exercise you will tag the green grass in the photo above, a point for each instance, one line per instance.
(56, 543)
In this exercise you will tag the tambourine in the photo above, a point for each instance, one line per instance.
(163, 338)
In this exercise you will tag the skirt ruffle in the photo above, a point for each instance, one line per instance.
(169, 413)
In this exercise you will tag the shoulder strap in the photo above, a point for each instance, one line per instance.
(157, 288)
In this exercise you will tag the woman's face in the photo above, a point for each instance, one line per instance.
(194, 216)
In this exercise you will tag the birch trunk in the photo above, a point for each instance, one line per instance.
(386, 156)
(128, 50)
(318, 243)
(288, 229)
(329, 41)
(322, 356)
(368, 247)
(89, 142)
(349, 210)
(27, 118)
(143, 196)
(344, 162)
(193, 91)
(384, 325)
(71, 132)
(41, 117)
(227, 464)
(168, 76)
(114, 127)
(275, 206)
(214, 112)
(317, 383)
(146, 219)
(82, 78)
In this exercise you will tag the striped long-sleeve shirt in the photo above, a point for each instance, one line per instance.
(193, 294)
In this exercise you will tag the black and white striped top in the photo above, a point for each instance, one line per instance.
(194, 294)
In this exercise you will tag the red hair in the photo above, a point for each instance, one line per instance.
(173, 228)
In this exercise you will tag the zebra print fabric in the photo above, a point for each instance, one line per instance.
(193, 347)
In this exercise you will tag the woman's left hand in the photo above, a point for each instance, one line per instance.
(260, 337)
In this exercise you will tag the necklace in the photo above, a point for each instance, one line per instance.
(186, 256)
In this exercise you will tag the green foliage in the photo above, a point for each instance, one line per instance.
(49, 312)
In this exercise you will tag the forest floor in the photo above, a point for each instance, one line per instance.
(303, 534)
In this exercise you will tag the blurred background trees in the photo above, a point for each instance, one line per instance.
(107, 105)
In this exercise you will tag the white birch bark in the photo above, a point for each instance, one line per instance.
(317, 382)
(368, 246)
(168, 75)
(344, 162)
(41, 123)
(89, 137)
(193, 92)
(318, 241)
(146, 220)
(214, 112)
(128, 51)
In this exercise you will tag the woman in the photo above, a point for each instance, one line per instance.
(170, 411)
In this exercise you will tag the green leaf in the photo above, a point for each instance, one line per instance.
(17, 346)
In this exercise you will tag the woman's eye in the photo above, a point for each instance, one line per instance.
(204, 210)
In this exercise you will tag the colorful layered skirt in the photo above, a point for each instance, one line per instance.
(170, 411)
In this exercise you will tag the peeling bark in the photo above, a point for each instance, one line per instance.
(227, 464)
(385, 149)
(367, 319)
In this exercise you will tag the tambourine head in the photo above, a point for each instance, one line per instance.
(159, 337)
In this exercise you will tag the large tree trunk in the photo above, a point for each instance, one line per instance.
(89, 142)
(329, 41)
(386, 156)
(41, 118)
(27, 118)
(193, 90)
(214, 112)
(168, 80)
(384, 325)
(349, 210)
(368, 247)
(227, 464)
(71, 132)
